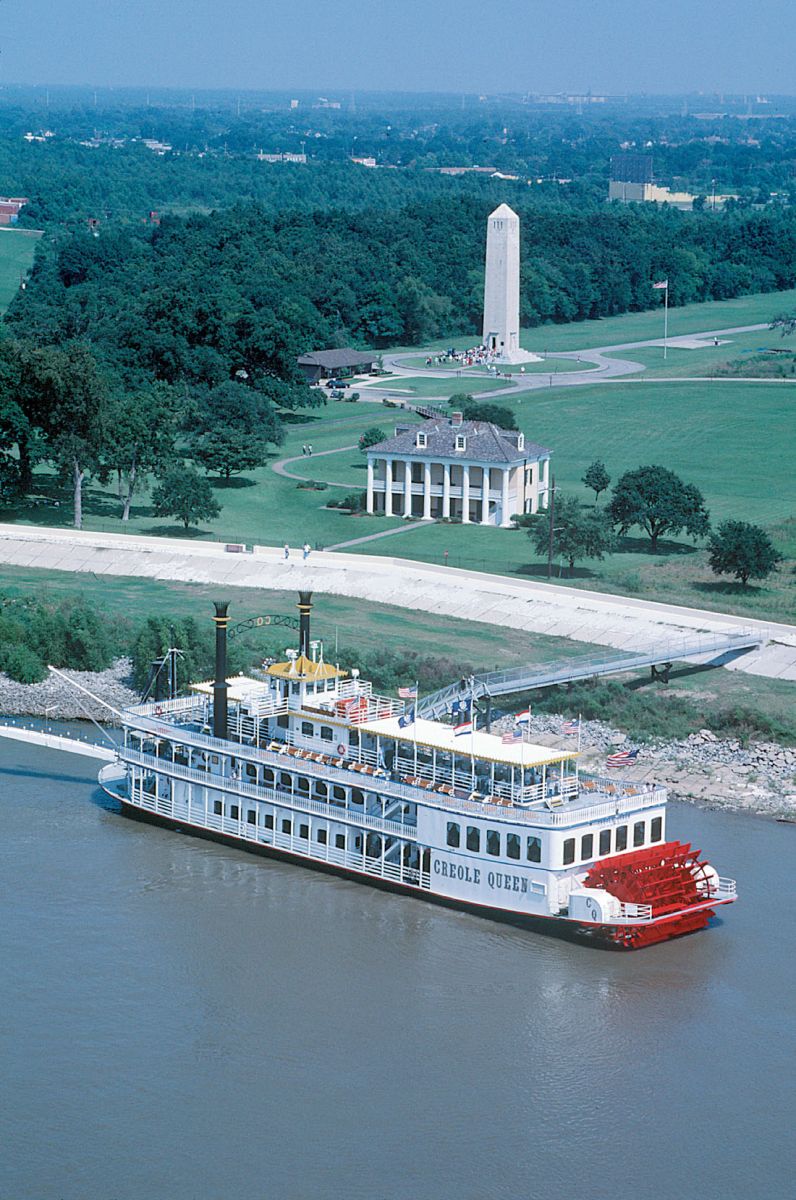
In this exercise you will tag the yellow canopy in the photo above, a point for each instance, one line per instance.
(305, 668)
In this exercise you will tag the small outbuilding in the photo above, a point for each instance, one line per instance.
(327, 364)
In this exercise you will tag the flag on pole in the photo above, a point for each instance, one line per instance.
(408, 693)
(511, 738)
(358, 712)
(523, 718)
(662, 285)
(465, 727)
(622, 758)
(569, 728)
(407, 718)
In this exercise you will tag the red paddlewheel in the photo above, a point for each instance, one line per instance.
(666, 877)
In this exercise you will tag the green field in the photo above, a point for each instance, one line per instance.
(551, 363)
(17, 248)
(691, 363)
(416, 386)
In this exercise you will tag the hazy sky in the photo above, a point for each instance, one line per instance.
(436, 45)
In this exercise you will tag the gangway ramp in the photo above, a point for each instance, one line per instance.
(711, 649)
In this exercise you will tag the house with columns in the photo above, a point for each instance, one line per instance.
(451, 469)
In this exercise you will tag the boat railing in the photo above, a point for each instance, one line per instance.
(278, 796)
(635, 912)
(724, 887)
(162, 708)
(605, 805)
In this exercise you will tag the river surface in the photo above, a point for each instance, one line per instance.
(183, 1021)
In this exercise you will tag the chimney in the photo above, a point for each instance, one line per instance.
(220, 685)
(305, 607)
(457, 418)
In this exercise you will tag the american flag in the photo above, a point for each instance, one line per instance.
(621, 758)
(523, 718)
(570, 727)
(465, 727)
(515, 735)
(358, 712)
(408, 693)
(662, 285)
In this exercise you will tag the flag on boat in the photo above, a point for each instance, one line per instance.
(460, 708)
(407, 718)
(358, 711)
(408, 693)
(465, 727)
(662, 285)
(570, 727)
(523, 718)
(509, 739)
(622, 758)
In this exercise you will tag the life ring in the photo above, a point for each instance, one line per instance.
(341, 749)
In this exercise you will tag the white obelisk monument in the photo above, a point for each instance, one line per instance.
(502, 288)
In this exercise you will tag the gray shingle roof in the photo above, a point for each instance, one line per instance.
(337, 358)
(484, 443)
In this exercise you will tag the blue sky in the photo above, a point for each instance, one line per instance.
(406, 45)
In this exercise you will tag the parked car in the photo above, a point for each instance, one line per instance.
(335, 383)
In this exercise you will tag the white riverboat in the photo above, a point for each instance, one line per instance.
(311, 765)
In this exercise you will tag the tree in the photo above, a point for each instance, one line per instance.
(371, 437)
(185, 494)
(578, 532)
(140, 438)
(76, 424)
(658, 501)
(596, 478)
(231, 427)
(743, 550)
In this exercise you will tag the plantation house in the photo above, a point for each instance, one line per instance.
(468, 471)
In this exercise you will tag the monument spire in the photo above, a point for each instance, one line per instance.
(501, 333)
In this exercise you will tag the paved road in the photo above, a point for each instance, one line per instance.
(607, 365)
(512, 605)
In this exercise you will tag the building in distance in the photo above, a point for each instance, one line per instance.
(457, 470)
(326, 364)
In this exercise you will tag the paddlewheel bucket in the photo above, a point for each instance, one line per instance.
(671, 878)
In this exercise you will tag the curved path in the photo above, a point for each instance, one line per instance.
(505, 602)
(280, 467)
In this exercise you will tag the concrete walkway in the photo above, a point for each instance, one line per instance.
(509, 604)
(372, 537)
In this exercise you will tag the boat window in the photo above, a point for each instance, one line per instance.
(357, 797)
(353, 737)
(283, 721)
(303, 784)
(512, 845)
(251, 817)
(569, 851)
(294, 687)
(251, 770)
(287, 826)
(605, 841)
(218, 808)
(339, 841)
(268, 821)
(638, 833)
(454, 834)
(307, 728)
(321, 789)
(586, 845)
(473, 838)
(373, 846)
(327, 733)
(304, 831)
(492, 841)
(534, 851)
(656, 829)
(320, 837)
(338, 792)
(268, 776)
(621, 837)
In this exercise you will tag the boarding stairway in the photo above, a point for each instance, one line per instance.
(714, 649)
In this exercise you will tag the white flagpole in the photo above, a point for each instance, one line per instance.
(665, 320)
(414, 721)
(579, 733)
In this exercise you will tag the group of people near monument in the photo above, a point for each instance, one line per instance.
(477, 356)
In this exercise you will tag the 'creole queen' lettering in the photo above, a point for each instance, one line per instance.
(496, 880)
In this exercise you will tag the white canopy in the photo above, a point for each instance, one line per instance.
(477, 745)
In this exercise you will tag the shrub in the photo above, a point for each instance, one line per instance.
(21, 663)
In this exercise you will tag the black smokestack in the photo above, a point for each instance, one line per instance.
(305, 608)
(220, 685)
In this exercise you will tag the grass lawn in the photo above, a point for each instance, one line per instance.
(17, 248)
(704, 362)
(639, 327)
(416, 386)
(551, 363)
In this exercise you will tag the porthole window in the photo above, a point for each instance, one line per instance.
(492, 841)
(453, 834)
(534, 850)
(512, 845)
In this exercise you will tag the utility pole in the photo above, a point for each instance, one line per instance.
(552, 509)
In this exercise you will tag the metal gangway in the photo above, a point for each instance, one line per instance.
(715, 648)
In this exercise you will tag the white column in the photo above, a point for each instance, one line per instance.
(465, 494)
(407, 488)
(427, 491)
(485, 481)
(533, 486)
(505, 519)
(370, 485)
(446, 490)
(546, 481)
(388, 487)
